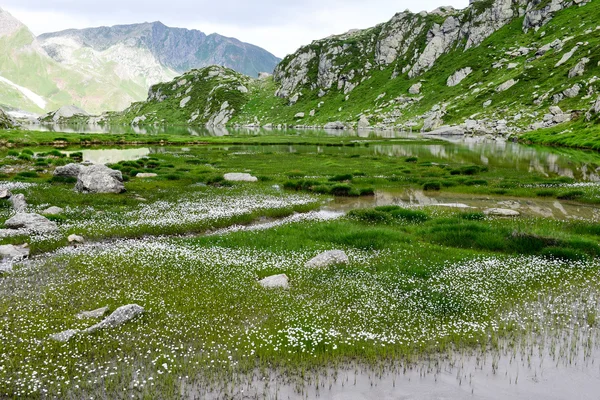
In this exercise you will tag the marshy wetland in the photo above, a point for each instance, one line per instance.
(471, 264)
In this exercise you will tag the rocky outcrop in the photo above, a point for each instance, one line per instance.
(6, 122)
(31, 222)
(458, 76)
(99, 179)
(579, 68)
(328, 259)
(98, 313)
(536, 17)
(64, 113)
(440, 39)
(415, 89)
(119, 317)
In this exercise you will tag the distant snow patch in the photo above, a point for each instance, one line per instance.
(35, 98)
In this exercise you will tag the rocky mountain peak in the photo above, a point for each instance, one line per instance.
(9, 24)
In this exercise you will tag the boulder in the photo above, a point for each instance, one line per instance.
(146, 175)
(573, 91)
(68, 171)
(458, 76)
(447, 131)
(33, 222)
(566, 57)
(327, 259)
(579, 68)
(5, 194)
(276, 281)
(53, 211)
(335, 125)
(120, 316)
(506, 85)
(99, 179)
(19, 204)
(12, 253)
(98, 313)
(501, 212)
(416, 88)
(240, 177)
(299, 115)
(75, 239)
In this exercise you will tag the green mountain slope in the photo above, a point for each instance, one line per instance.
(498, 67)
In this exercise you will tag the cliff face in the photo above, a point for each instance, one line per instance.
(410, 43)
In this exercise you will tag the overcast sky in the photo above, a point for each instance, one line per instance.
(280, 26)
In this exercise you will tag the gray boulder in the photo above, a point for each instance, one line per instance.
(99, 179)
(120, 316)
(579, 68)
(458, 76)
(68, 171)
(276, 281)
(573, 91)
(33, 222)
(327, 259)
(335, 125)
(19, 204)
(506, 85)
(12, 253)
(416, 88)
(5, 194)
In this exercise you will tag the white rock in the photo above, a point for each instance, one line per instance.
(5, 194)
(12, 253)
(566, 57)
(53, 211)
(458, 76)
(120, 316)
(416, 88)
(501, 212)
(299, 115)
(579, 69)
(240, 177)
(487, 103)
(506, 85)
(327, 259)
(555, 110)
(276, 281)
(146, 175)
(75, 239)
(572, 91)
(184, 101)
(98, 313)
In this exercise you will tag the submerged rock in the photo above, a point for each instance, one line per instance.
(32, 222)
(98, 313)
(276, 281)
(120, 316)
(99, 179)
(239, 177)
(327, 259)
(19, 204)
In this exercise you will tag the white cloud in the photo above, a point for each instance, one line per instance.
(278, 26)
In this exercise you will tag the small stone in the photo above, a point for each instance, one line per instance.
(5, 194)
(327, 259)
(75, 239)
(275, 281)
(299, 115)
(53, 211)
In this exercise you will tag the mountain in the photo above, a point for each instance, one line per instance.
(499, 67)
(106, 68)
(177, 49)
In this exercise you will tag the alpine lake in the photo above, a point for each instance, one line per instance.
(473, 267)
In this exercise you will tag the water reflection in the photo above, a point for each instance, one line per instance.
(111, 156)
